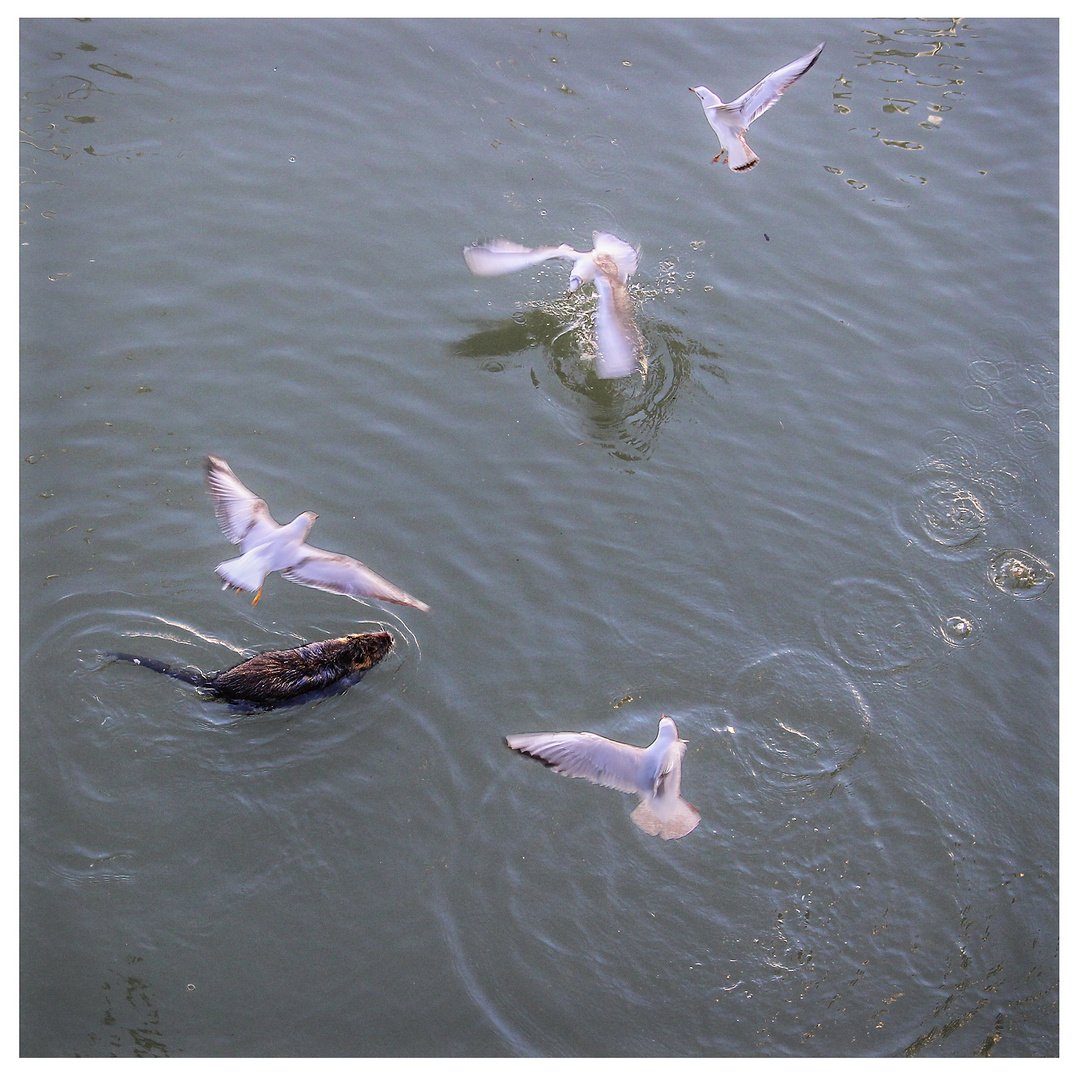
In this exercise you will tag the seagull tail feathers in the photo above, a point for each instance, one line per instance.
(245, 572)
(669, 819)
(740, 157)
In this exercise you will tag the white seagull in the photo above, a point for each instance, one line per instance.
(267, 546)
(731, 119)
(653, 772)
(609, 264)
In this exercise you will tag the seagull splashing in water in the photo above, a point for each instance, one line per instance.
(653, 772)
(609, 264)
(267, 546)
(731, 119)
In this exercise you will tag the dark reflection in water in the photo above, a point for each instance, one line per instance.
(623, 415)
(131, 1024)
(506, 337)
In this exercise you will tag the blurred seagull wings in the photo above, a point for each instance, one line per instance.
(609, 264)
(267, 546)
(731, 119)
(653, 772)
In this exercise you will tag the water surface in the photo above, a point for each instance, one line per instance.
(820, 533)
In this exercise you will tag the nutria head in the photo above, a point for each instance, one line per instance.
(362, 651)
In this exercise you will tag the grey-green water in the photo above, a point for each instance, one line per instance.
(244, 237)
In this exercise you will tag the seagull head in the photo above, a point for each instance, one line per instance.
(300, 525)
(708, 98)
(668, 732)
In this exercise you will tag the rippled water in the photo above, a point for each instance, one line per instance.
(820, 533)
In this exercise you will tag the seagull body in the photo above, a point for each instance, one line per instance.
(653, 772)
(731, 119)
(609, 264)
(267, 546)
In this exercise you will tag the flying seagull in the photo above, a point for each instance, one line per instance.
(609, 264)
(731, 119)
(653, 772)
(267, 546)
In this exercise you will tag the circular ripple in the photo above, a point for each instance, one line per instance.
(796, 720)
(944, 511)
(112, 703)
(624, 416)
(1008, 379)
(880, 627)
(948, 503)
(601, 156)
(1031, 432)
(959, 629)
(1020, 574)
(977, 398)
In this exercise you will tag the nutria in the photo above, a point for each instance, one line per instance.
(317, 669)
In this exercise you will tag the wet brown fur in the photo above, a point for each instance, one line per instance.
(274, 677)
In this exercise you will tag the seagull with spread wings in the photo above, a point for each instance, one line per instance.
(653, 772)
(610, 262)
(731, 119)
(267, 546)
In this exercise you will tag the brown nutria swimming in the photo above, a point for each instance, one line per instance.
(268, 679)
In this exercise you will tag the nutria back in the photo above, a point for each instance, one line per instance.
(271, 678)
(276, 676)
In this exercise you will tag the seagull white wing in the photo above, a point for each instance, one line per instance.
(617, 335)
(242, 515)
(767, 92)
(504, 257)
(583, 754)
(343, 574)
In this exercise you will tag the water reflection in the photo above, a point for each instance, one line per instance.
(904, 84)
(131, 1023)
(622, 415)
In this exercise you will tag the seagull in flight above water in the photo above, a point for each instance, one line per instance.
(654, 772)
(267, 546)
(731, 119)
(609, 264)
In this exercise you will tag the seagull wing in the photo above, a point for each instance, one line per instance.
(581, 753)
(343, 574)
(242, 515)
(617, 335)
(504, 257)
(767, 92)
